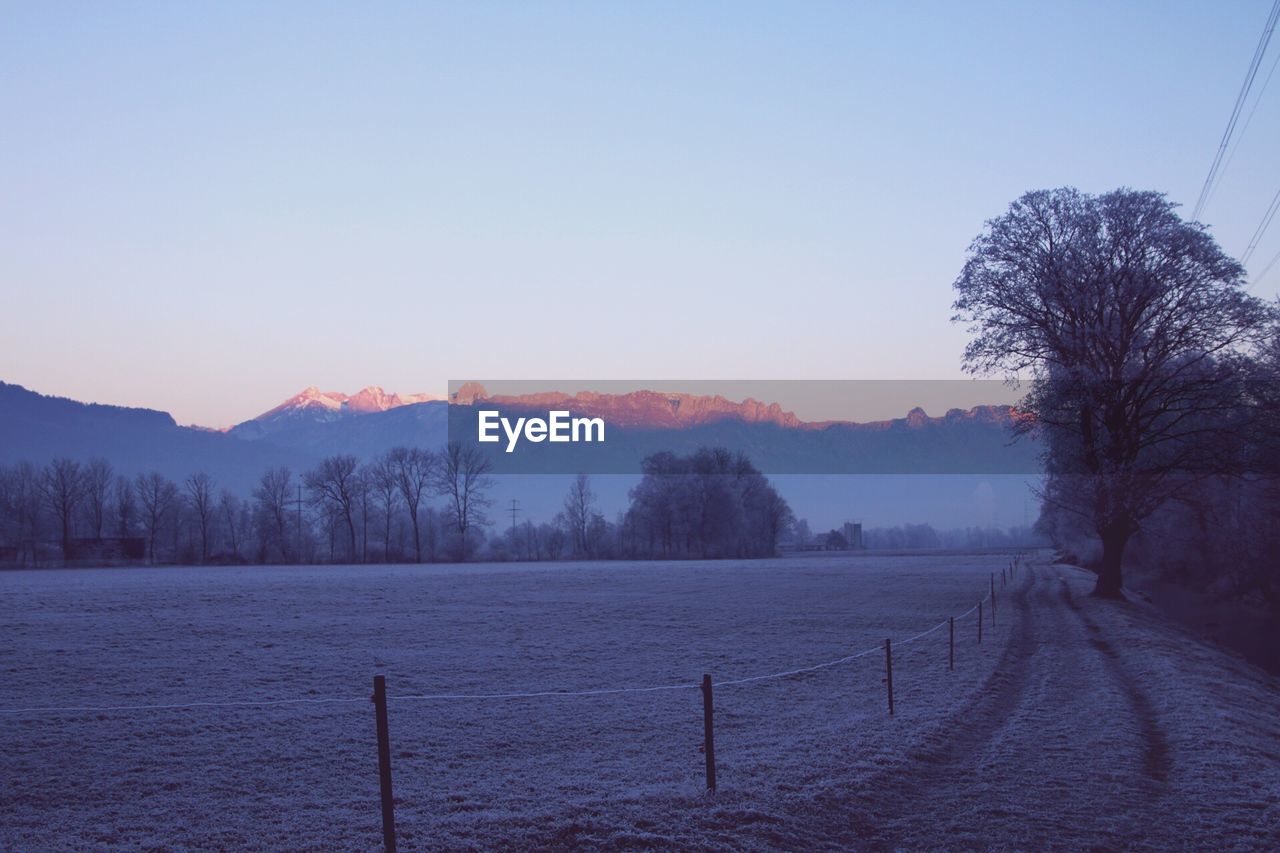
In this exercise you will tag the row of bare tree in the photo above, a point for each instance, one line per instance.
(409, 503)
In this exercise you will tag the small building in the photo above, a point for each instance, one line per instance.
(853, 535)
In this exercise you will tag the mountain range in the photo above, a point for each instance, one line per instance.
(637, 409)
(314, 423)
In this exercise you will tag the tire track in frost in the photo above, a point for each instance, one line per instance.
(952, 747)
(1156, 757)
(1157, 762)
(1058, 747)
(862, 813)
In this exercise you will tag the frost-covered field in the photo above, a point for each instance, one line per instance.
(1074, 723)
(465, 771)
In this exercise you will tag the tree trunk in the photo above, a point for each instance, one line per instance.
(351, 530)
(66, 538)
(1110, 577)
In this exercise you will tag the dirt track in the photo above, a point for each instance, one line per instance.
(1068, 745)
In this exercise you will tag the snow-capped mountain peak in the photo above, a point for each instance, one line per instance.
(311, 398)
(314, 405)
(374, 399)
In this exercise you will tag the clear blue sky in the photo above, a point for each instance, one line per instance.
(206, 207)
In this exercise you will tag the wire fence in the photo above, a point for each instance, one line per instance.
(444, 697)
(707, 686)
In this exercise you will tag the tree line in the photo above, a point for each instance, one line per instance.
(923, 537)
(407, 505)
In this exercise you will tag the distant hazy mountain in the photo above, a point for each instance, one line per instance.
(314, 424)
(37, 428)
(298, 434)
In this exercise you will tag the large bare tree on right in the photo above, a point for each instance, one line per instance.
(1133, 326)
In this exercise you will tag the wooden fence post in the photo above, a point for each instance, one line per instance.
(888, 671)
(384, 763)
(951, 650)
(708, 733)
(993, 599)
(979, 621)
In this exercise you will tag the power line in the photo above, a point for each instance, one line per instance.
(1235, 149)
(1271, 263)
(1262, 228)
(1241, 99)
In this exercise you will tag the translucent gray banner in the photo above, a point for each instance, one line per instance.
(781, 426)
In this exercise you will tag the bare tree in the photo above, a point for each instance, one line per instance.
(126, 507)
(1130, 322)
(385, 489)
(229, 508)
(200, 499)
(62, 486)
(578, 507)
(8, 513)
(776, 517)
(364, 502)
(414, 471)
(334, 486)
(431, 523)
(10, 506)
(711, 503)
(98, 478)
(271, 498)
(21, 502)
(158, 497)
(464, 482)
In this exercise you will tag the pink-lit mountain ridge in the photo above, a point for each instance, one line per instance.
(645, 422)
(316, 424)
(364, 401)
(312, 406)
(644, 409)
